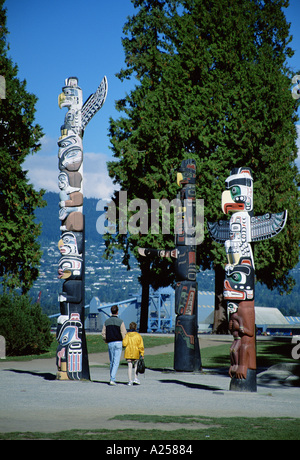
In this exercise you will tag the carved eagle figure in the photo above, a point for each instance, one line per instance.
(262, 227)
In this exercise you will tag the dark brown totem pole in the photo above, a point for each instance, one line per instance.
(187, 350)
(237, 234)
(72, 357)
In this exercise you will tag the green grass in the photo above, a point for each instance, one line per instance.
(210, 428)
(161, 361)
(274, 352)
(95, 344)
(269, 353)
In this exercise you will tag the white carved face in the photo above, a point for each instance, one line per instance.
(68, 244)
(70, 152)
(71, 95)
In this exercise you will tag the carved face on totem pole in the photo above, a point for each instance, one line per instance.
(69, 181)
(70, 267)
(71, 97)
(70, 152)
(239, 281)
(186, 217)
(69, 351)
(239, 191)
(186, 173)
(238, 199)
(71, 244)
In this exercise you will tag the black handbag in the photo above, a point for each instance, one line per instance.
(141, 366)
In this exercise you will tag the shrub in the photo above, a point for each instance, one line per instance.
(23, 325)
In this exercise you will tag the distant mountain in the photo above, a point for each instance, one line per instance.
(48, 216)
(107, 279)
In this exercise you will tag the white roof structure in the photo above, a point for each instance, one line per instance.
(270, 316)
(264, 316)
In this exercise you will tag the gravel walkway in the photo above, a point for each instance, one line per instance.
(33, 400)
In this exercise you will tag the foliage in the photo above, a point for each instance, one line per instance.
(19, 250)
(23, 325)
(146, 160)
(216, 88)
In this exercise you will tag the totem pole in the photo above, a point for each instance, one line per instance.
(237, 234)
(72, 358)
(187, 351)
(296, 88)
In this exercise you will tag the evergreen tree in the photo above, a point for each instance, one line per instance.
(143, 141)
(19, 249)
(214, 87)
(25, 328)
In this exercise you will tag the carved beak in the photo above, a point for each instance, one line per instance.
(61, 99)
(229, 205)
(179, 178)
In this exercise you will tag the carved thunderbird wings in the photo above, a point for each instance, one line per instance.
(262, 227)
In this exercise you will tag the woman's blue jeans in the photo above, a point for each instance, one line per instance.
(115, 351)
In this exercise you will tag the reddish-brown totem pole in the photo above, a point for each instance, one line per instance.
(237, 235)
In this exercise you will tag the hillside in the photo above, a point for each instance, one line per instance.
(109, 279)
(48, 216)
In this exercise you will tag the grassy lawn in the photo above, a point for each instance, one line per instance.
(95, 344)
(269, 353)
(210, 429)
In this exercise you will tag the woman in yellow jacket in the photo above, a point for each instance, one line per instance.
(134, 348)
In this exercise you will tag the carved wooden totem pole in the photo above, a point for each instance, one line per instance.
(72, 358)
(187, 351)
(296, 88)
(237, 234)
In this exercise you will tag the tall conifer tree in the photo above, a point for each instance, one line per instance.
(212, 84)
(19, 250)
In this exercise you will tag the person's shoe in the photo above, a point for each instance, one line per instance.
(137, 382)
(130, 383)
(112, 383)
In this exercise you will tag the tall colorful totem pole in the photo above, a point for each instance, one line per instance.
(187, 350)
(72, 357)
(237, 234)
(296, 88)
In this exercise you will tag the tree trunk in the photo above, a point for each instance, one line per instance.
(220, 315)
(145, 297)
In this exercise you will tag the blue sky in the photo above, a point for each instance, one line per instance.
(53, 40)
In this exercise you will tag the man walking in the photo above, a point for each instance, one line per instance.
(113, 333)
